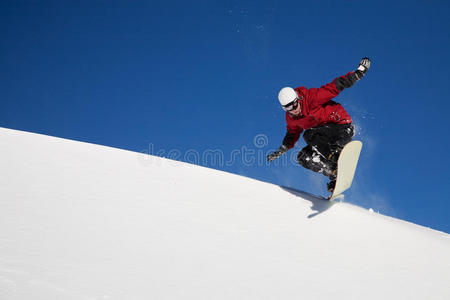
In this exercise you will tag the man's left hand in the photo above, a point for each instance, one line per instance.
(363, 67)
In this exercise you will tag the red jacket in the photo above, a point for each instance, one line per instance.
(316, 109)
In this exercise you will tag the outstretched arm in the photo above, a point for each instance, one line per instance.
(348, 80)
(327, 92)
(289, 141)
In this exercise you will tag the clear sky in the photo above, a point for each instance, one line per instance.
(182, 78)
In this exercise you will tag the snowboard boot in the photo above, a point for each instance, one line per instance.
(334, 155)
(332, 184)
(333, 159)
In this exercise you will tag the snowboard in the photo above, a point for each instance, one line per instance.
(346, 167)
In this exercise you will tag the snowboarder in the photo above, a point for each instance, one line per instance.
(327, 125)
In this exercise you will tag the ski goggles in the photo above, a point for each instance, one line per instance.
(291, 105)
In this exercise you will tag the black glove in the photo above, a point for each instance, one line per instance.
(364, 65)
(274, 155)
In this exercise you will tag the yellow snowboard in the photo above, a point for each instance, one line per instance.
(346, 167)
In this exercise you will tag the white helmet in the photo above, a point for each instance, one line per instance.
(286, 96)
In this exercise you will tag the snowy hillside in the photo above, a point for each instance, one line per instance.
(82, 221)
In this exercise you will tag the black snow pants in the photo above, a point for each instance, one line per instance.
(324, 143)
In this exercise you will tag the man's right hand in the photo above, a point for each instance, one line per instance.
(274, 155)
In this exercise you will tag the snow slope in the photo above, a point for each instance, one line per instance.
(82, 221)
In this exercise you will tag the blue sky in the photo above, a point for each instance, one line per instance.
(197, 75)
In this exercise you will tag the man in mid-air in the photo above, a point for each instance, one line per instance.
(327, 125)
